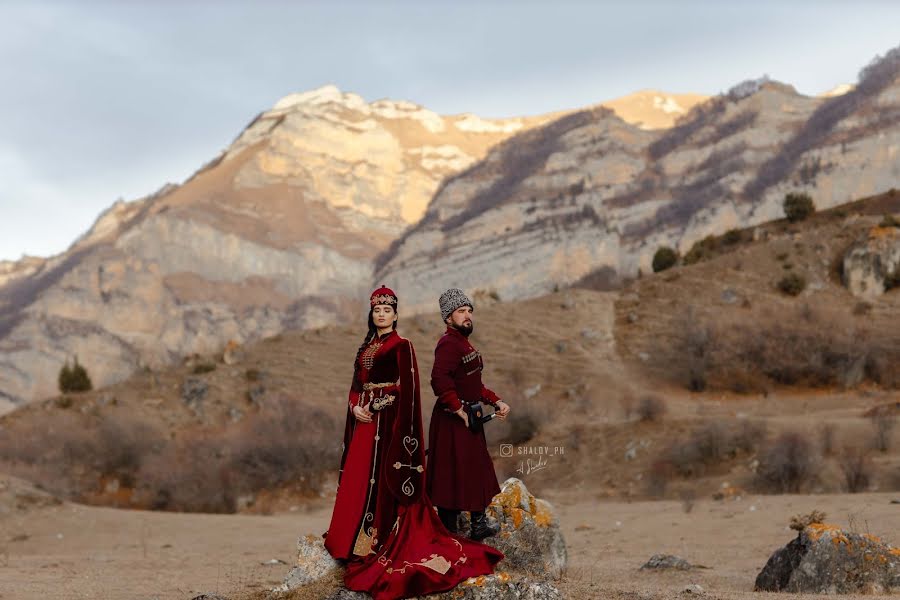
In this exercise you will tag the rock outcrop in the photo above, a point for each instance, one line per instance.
(529, 536)
(824, 559)
(872, 266)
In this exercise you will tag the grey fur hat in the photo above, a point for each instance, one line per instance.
(453, 299)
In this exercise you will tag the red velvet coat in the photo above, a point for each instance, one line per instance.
(383, 522)
(460, 472)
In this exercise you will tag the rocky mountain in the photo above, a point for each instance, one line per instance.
(652, 109)
(589, 197)
(325, 195)
(280, 231)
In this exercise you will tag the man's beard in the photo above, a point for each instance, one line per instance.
(466, 330)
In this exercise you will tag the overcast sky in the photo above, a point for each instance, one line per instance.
(107, 100)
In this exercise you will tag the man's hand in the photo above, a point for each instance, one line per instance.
(462, 414)
(502, 409)
(362, 414)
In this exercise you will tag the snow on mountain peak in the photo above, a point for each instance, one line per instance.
(667, 104)
(327, 94)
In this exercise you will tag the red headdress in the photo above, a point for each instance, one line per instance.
(383, 295)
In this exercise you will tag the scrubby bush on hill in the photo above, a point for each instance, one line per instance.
(664, 258)
(792, 284)
(74, 378)
(798, 206)
(701, 250)
(285, 445)
(787, 465)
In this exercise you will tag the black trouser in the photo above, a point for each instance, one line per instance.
(450, 517)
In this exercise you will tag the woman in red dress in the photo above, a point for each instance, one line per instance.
(383, 523)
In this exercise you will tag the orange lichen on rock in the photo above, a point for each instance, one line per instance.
(894, 551)
(872, 538)
(511, 498)
(503, 577)
(815, 531)
(518, 517)
(882, 232)
(543, 515)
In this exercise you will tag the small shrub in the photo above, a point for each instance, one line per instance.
(63, 402)
(664, 258)
(889, 220)
(201, 368)
(701, 250)
(862, 308)
(856, 466)
(651, 408)
(252, 375)
(801, 522)
(712, 443)
(74, 378)
(732, 236)
(892, 280)
(827, 437)
(883, 425)
(687, 496)
(792, 284)
(697, 347)
(787, 465)
(798, 206)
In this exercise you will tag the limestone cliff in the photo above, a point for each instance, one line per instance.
(591, 197)
(280, 231)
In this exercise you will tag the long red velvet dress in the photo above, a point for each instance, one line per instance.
(383, 521)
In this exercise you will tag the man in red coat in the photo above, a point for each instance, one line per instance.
(460, 474)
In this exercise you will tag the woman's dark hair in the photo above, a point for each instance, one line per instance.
(369, 335)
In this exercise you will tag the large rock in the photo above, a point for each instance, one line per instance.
(824, 559)
(873, 265)
(314, 563)
(666, 562)
(529, 536)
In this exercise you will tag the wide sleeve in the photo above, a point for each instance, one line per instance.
(405, 465)
(446, 358)
(356, 389)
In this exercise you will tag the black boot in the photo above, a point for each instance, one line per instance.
(449, 518)
(482, 527)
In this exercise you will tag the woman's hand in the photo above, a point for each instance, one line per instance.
(464, 416)
(362, 414)
(502, 409)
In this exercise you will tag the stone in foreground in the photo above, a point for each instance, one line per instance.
(823, 559)
(529, 536)
(666, 561)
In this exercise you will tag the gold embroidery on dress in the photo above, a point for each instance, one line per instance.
(382, 401)
(410, 444)
(365, 540)
(437, 563)
(368, 356)
(375, 386)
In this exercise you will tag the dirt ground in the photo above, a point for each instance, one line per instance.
(66, 551)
